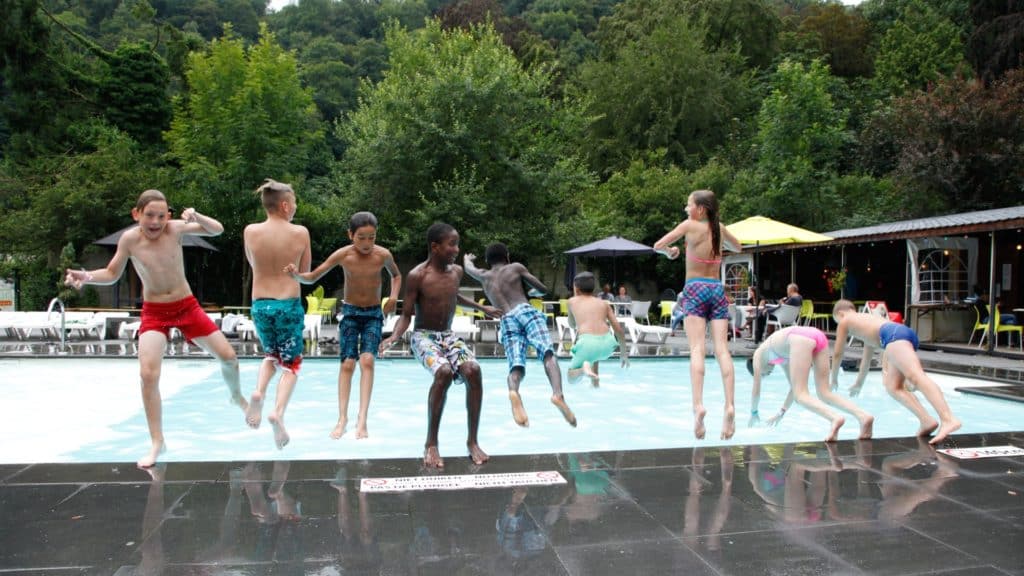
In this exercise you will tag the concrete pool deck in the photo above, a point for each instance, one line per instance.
(889, 506)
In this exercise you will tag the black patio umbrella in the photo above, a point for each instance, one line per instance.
(610, 247)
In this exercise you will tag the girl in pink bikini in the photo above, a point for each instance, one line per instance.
(703, 298)
(798, 349)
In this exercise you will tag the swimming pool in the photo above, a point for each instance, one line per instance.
(90, 410)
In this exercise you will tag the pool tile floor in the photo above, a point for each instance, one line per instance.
(890, 506)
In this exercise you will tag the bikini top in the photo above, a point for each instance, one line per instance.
(694, 258)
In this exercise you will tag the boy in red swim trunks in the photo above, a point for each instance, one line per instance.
(155, 250)
(900, 365)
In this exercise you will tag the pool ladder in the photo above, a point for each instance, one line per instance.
(63, 332)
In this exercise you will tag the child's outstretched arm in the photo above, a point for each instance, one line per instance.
(532, 281)
(837, 353)
(101, 276)
(774, 420)
(755, 390)
(469, 265)
(729, 241)
(200, 225)
(664, 246)
(620, 335)
(312, 276)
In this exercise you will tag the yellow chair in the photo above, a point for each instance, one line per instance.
(978, 325)
(808, 316)
(539, 305)
(666, 311)
(317, 304)
(563, 306)
(1008, 329)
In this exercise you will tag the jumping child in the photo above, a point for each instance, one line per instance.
(900, 365)
(154, 248)
(522, 325)
(598, 331)
(277, 309)
(703, 298)
(798, 349)
(359, 331)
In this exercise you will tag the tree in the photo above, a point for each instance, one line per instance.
(458, 131)
(842, 36)
(661, 90)
(997, 43)
(245, 117)
(960, 146)
(800, 139)
(918, 49)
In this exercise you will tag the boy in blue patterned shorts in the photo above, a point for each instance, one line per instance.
(359, 331)
(522, 326)
(431, 293)
(270, 247)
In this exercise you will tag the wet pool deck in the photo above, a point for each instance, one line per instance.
(890, 506)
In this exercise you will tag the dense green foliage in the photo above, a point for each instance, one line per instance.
(542, 123)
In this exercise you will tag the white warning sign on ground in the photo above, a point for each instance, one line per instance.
(460, 482)
(982, 452)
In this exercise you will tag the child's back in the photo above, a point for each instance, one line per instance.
(590, 313)
(865, 327)
(270, 246)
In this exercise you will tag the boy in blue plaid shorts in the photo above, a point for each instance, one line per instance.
(522, 325)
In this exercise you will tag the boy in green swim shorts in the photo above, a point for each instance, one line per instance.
(270, 247)
(592, 317)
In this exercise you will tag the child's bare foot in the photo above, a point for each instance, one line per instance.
(281, 437)
(729, 423)
(254, 413)
(157, 472)
(867, 426)
(559, 402)
(477, 455)
(432, 458)
(946, 429)
(588, 369)
(340, 428)
(518, 412)
(148, 460)
(575, 375)
(698, 422)
(927, 427)
(833, 434)
(361, 431)
(833, 456)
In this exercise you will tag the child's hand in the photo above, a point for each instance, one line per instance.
(493, 313)
(672, 252)
(188, 214)
(469, 257)
(386, 344)
(389, 306)
(774, 420)
(625, 361)
(855, 390)
(76, 278)
(290, 269)
(835, 384)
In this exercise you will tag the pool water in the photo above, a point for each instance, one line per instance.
(90, 410)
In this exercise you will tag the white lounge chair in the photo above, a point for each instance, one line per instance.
(464, 327)
(640, 310)
(639, 332)
(564, 329)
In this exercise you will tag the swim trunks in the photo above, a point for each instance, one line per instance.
(279, 325)
(893, 331)
(592, 348)
(435, 349)
(521, 327)
(359, 331)
(185, 315)
(820, 343)
(705, 297)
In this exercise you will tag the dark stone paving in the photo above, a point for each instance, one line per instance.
(889, 506)
(876, 507)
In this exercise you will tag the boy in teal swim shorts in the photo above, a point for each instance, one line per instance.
(900, 365)
(595, 341)
(270, 247)
(522, 326)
